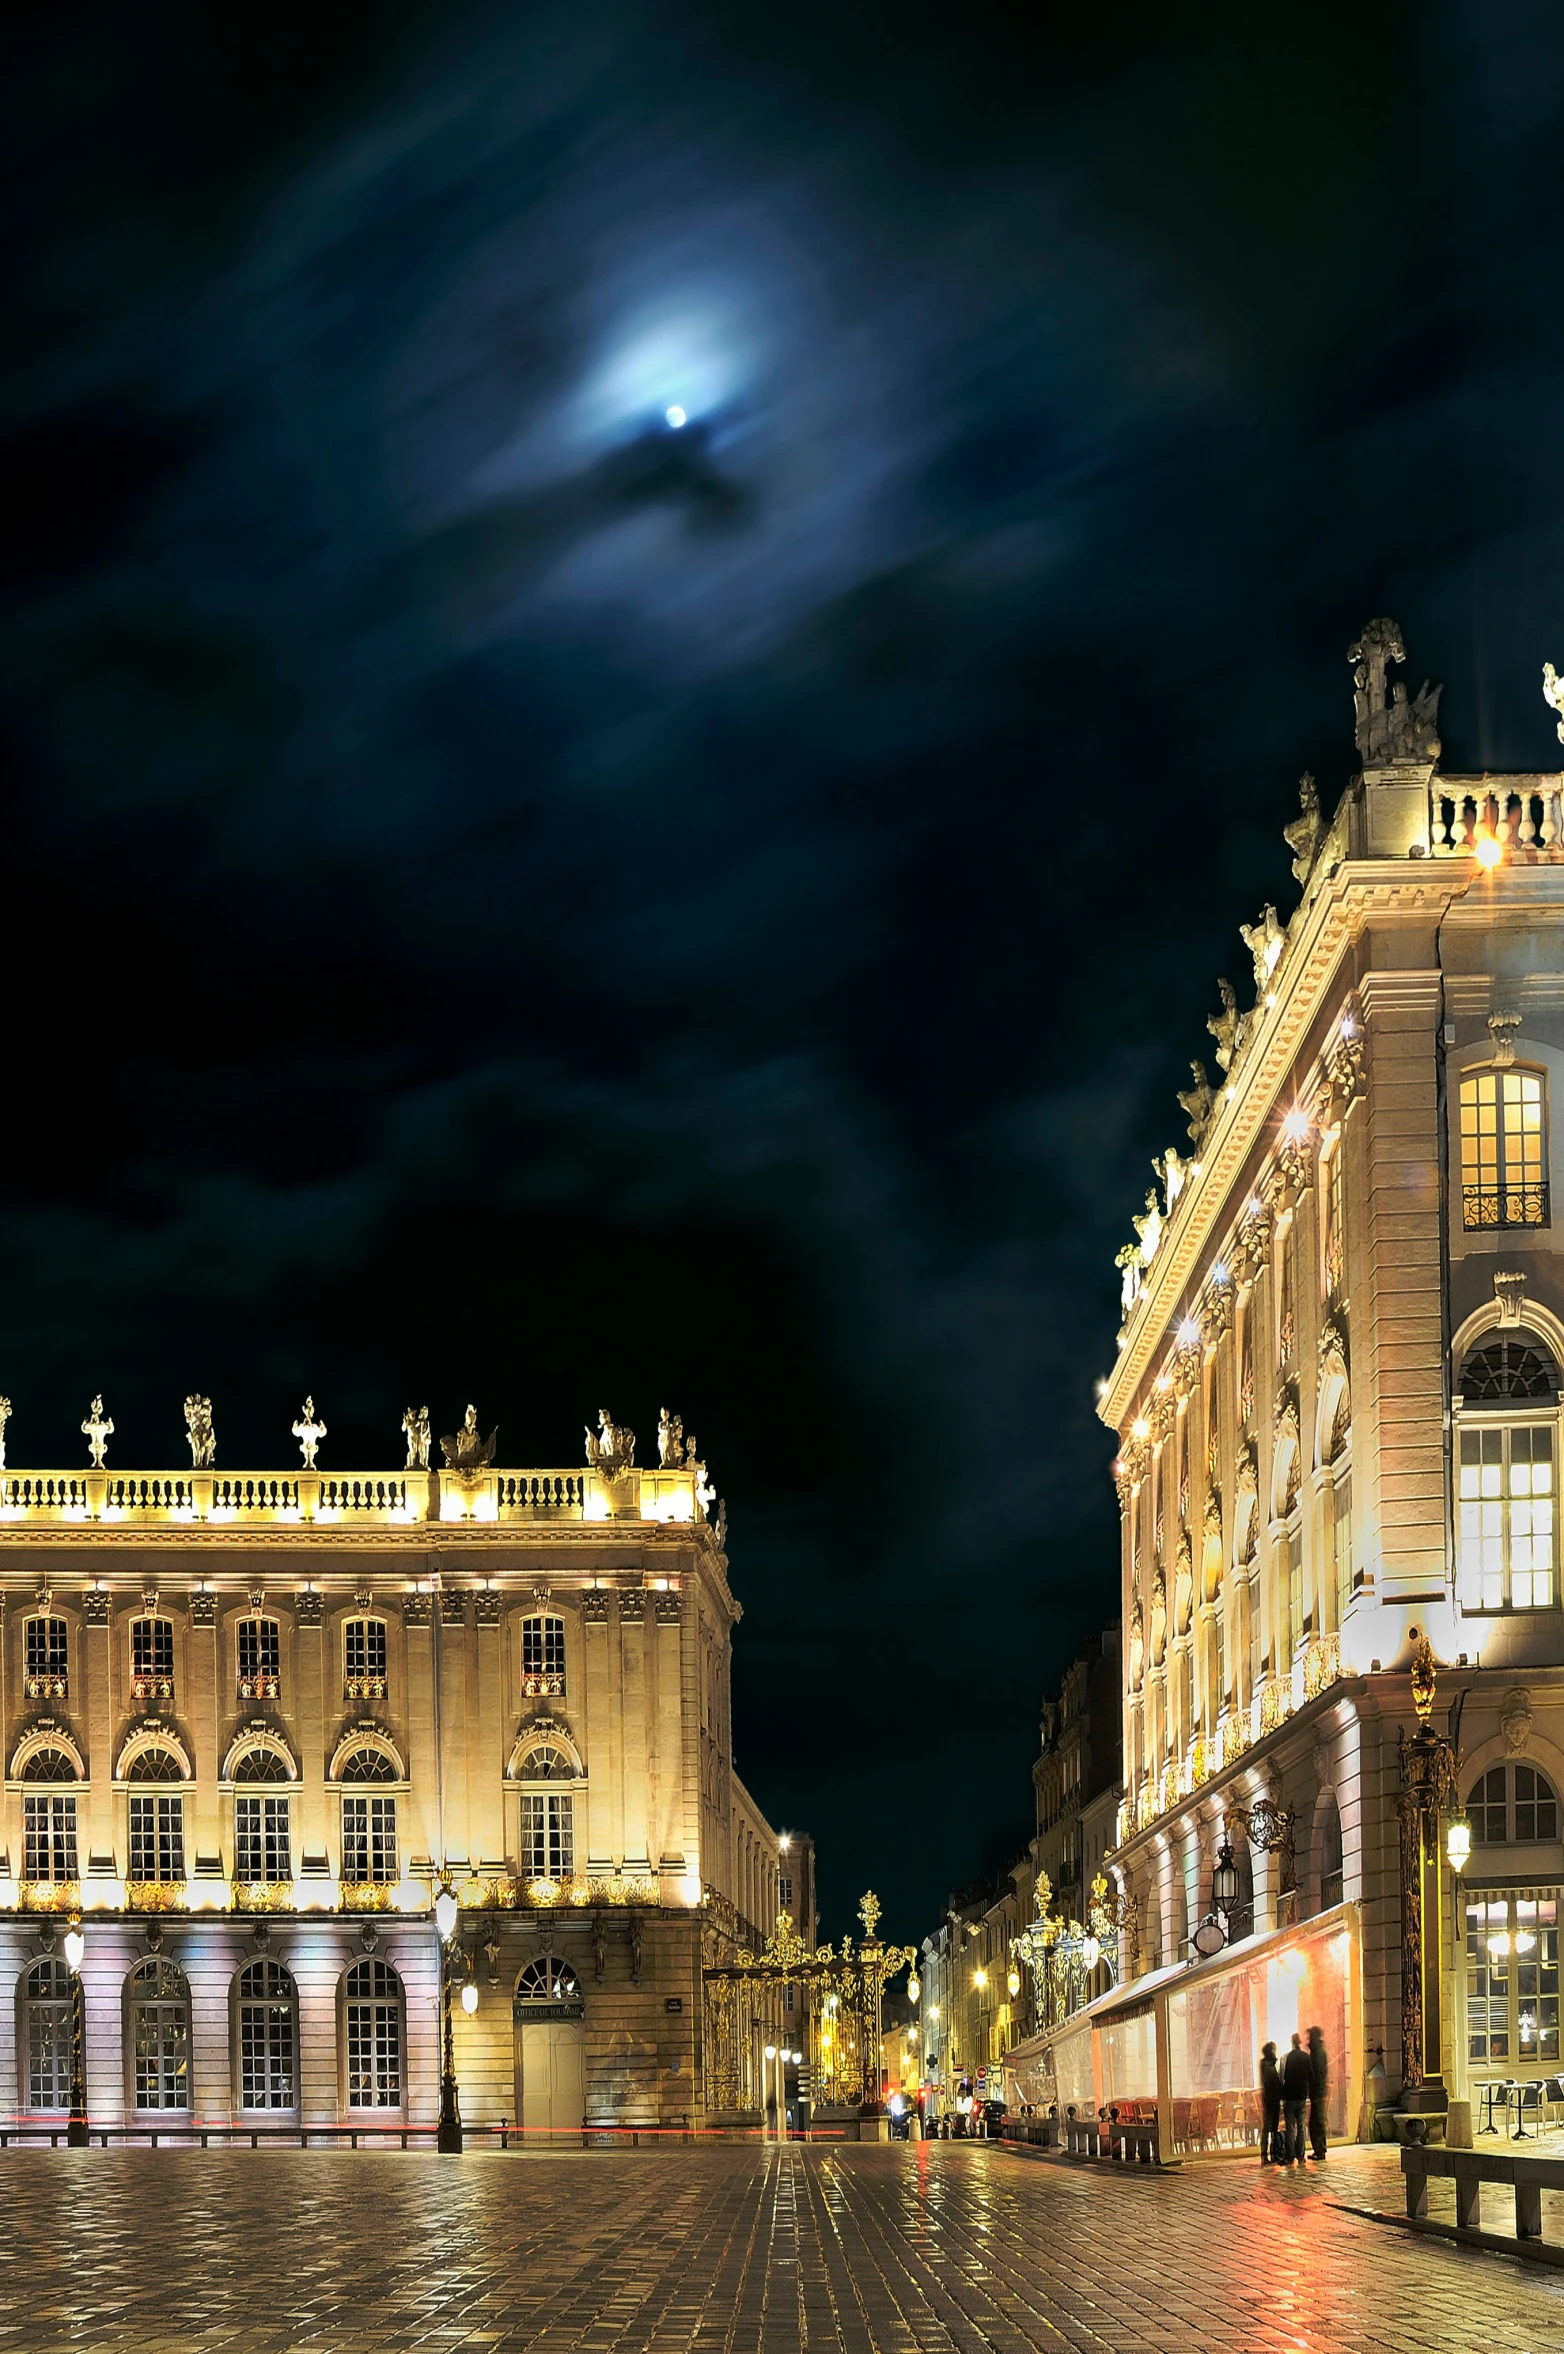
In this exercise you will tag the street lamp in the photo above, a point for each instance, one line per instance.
(1458, 1842)
(448, 2133)
(1427, 1790)
(1224, 1880)
(76, 2134)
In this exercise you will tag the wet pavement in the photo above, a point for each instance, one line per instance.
(936, 2247)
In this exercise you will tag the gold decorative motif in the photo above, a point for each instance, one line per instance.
(1424, 1675)
(155, 1896)
(262, 1896)
(48, 1896)
(1275, 1705)
(368, 1896)
(1321, 1665)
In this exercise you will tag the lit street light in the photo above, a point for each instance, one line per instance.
(448, 2133)
(76, 2134)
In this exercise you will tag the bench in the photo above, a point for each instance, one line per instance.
(1469, 2170)
(1134, 2141)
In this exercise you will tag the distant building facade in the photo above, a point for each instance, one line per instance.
(252, 1723)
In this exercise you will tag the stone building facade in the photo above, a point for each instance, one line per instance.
(252, 1722)
(1337, 1401)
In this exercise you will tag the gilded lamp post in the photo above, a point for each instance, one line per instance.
(1427, 1791)
(77, 2136)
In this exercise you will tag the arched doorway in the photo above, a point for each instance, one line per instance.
(550, 2016)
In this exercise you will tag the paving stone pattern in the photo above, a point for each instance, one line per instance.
(939, 2248)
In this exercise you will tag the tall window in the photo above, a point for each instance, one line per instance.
(1512, 1978)
(543, 1657)
(47, 2004)
(1292, 1560)
(1287, 1293)
(267, 2011)
(547, 1835)
(48, 1819)
(1330, 1856)
(262, 1847)
(1504, 1150)
(160, 2035)
(1246, 1368)
(152, 1659)
(1338, 1507)
(1512, 1802)
(1336, 1216)
(260, 1659)
(372, 2029)
(157, 1819)
(364, 1659)
(368, 1839)
(1508, 1530)
(46, 1660)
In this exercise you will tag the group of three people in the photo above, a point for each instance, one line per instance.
(1288, 2094)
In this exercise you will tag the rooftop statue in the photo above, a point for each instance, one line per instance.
(1389, 728)
(198, 1426)
(1173, 1170)
(1304, 835)
(611, 1450)
(1553, 693)
(1197, 1104)
(1227, 1027)
(1149, 1227)
(97, 1430)
(309, 1433)
(5, 1416)
(468, 1449)
(1265, 941)
(670, 1440)
(415, 1428)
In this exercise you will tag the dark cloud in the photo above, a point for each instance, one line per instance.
(513, 897)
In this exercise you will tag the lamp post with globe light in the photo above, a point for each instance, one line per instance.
(77, 2136)
(448, 2133)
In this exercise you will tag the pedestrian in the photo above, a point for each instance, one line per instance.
(1297, 2083)
(1319, 2069)
(1270, 2107)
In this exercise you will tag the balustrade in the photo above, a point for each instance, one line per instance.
(1463, 811)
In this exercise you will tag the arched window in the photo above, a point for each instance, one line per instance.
(364, 1659)
(49, 1819)
(372, 2035)
(1507, 1477)
(159, 2038)
(1512, 1802)
(46, 1672)
(152, 1659)
(549, 1980)
(369, 1843)
(46, 2036)
(266, 2007)
(157, 1819)
(548, 1849)
(260, 1659)
(1504, 1150)
(543, 1658)
(263, 1840)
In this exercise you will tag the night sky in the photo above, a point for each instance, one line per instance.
(509, 899)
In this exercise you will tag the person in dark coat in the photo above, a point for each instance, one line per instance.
(1270, 2107)
(1297, 2083)
(1319, 2065)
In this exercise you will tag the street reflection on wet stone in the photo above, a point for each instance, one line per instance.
(934, 2246)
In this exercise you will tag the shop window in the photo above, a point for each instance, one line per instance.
(1512, 1980)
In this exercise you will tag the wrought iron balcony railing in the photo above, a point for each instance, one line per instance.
(1485, 1208)
(544, 1684)
(263, 1683)
(152, 1687)
(364, 1688)
(47, 1687)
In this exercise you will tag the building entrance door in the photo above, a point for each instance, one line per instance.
(549, 2012)
(552, 2061)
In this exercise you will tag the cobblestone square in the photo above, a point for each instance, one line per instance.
(941, 2247)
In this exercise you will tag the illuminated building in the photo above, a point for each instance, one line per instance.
(1337, 1402)
(253, 1723)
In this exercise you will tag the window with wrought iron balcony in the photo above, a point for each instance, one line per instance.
(152, 1659)
(364, 1659)
(543, 1658)
(260, 1659)
(1504, 1151)
(46, 1675)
